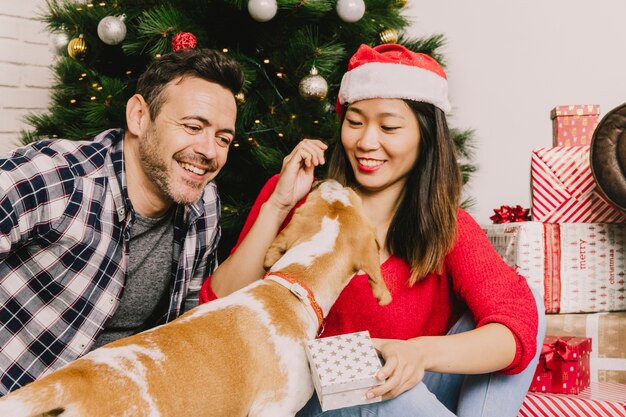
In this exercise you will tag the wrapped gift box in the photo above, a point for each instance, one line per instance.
(542, 380)
(577, 267)
(608, 332)
(343, 369)
(563, 365)
(564, 190)
(574, 125)
(600, 399)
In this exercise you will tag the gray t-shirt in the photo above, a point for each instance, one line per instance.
(148, 279)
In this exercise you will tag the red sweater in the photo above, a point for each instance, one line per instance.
(474, 276)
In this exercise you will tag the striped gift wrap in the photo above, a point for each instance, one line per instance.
(600, 399)
(564, 190)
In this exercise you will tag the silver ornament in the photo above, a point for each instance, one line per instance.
(112, 30)
(350, 10)
(57, 42)
(313, 86)
(262, 10)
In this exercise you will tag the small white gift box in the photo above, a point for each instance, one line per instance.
(343, 368)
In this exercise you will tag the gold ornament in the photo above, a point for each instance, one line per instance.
(388, 36)
(77, 47)
(313, 86)
(240, 98)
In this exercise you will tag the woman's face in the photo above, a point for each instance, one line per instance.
(381, 139)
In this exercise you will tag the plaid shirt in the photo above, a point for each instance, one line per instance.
(65, 221)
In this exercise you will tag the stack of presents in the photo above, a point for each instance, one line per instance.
(573, 252)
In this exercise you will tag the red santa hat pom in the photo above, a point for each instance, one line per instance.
(393, 71)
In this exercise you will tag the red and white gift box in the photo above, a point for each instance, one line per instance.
(576, 267)
(563, 365)
(600, 399)
(564, 190)
(574, 125)
(607, 361)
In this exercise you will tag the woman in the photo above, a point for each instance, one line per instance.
(460, 336)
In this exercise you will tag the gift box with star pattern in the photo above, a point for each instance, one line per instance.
(343, 368)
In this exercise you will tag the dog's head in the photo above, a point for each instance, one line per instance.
(329, 236)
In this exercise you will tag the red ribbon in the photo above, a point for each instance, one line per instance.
(509, 214)
(559, 348)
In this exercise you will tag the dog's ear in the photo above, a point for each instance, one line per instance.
(368, 255)
(370, 264)
(276, 250)
(300, 226)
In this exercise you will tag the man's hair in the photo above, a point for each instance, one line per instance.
(207, 64)
(423, 229)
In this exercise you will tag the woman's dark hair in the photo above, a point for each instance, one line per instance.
(207, 64)
(423, 229)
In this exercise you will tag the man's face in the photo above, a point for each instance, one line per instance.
(187, 144)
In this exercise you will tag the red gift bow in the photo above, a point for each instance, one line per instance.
(508, 214)
(560, 348)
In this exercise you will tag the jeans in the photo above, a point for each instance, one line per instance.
(443, 395)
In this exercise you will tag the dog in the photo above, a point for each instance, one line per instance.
(241, 355)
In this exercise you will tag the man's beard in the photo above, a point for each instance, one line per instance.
(158, 172)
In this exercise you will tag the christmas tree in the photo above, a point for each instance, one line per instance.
(293, 54)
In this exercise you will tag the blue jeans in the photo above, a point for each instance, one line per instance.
(443, 395)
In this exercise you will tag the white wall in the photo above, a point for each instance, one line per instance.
(509, 63)
(24, 66)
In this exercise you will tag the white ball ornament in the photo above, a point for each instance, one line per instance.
(262, 10)
(57, 43)
(313, 86)
(350, 10)
(112, 30)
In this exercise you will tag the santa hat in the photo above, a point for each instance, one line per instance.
(393, 71)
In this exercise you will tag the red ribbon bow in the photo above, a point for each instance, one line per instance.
(508, 214)
(560, 348)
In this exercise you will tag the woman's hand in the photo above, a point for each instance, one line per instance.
(296, 176)
(404, 367)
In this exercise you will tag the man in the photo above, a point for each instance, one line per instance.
(105, 238)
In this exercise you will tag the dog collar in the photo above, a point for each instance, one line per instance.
(301, 291)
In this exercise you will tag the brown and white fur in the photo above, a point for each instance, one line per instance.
(241, 355)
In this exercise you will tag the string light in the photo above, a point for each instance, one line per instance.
(266, 61)
(225, 50)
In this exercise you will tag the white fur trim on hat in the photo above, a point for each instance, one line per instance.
(387, 80)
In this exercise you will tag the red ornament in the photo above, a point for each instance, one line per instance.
(508, 214)
(184, 40)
